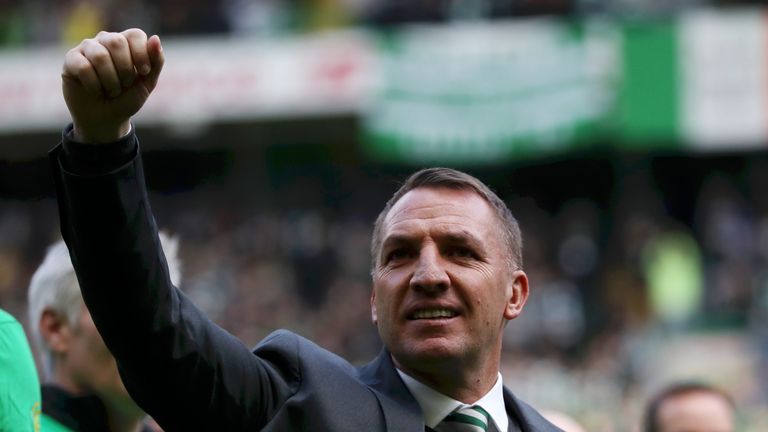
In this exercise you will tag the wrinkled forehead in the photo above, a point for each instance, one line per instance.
(450, 208)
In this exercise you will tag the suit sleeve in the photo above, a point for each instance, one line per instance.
(181, 368)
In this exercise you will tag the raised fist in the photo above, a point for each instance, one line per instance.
(107, 79)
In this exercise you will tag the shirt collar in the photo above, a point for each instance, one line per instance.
(435, 405)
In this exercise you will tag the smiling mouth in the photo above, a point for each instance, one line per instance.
(432, 314)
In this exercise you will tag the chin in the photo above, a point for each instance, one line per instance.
(426, 352)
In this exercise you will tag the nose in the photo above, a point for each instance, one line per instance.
(430, 276)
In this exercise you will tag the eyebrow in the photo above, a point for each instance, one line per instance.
(462, 237)
(396, 240)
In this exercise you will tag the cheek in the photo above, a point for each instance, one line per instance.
(487, 291)
(389, 287)
(93, 344)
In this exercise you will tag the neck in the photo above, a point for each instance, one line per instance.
(465, 383)
(124, 420)
(123, 415)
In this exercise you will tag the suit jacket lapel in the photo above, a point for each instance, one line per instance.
(401, 411)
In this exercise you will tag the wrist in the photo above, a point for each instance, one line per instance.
(100, 136)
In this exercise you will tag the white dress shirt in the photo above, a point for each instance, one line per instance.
(435, 405)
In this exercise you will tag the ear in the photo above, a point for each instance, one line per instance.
(55, 331)
(374, 317)
(517, 295)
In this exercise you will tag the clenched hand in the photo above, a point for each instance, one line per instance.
(107, 79)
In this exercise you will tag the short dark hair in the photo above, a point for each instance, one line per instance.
(651, 420)
(453, 179)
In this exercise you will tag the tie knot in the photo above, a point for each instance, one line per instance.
(466, 419)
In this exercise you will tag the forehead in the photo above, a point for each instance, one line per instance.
(428, 207)
(696, 411)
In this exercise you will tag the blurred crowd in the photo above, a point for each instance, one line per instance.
(45, 21)
(614, 278)
(69, 21)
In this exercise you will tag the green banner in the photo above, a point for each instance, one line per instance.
(478, 94)
(648, 109)
(490, 92)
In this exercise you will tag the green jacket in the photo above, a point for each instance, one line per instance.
(48, 424)
(19, 386)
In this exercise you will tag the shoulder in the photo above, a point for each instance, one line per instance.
(19, 386)
(7, 319)
(284, 346)
(14, 348)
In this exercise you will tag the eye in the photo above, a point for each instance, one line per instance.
(399, 254)
(461, 252)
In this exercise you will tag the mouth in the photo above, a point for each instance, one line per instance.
(432, 313)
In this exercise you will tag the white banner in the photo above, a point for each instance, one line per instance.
(206, 80)
(724, 78)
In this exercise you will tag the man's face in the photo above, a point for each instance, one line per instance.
(696, 412)
(91, 366)
(442, 286)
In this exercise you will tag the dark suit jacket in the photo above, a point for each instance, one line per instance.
(185, 371)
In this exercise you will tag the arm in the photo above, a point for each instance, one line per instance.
(181, 368)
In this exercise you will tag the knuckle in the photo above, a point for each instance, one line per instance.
(118, 42)
(100, 57)
(73, 52)
(82, 68)
(103, 36)
(113, 41)
(135, 39)
(86, 43)
(134, 32)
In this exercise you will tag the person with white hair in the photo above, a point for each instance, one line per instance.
(82, 389)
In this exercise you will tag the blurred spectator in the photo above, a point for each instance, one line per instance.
(84, 19)
(690, 407)
(12, 23)
(673, 270)
(403, 11)
(123, 14)
(727, 229)
(82, 389)
(69, 21)
(15, 228)
(637, 7)
(191, 17)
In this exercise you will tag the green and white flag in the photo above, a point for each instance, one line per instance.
(481, 93)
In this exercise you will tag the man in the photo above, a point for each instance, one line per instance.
(82, 390)
(690, 407)
(19, 387)
(447, 277)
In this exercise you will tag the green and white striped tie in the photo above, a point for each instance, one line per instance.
(467, 419)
